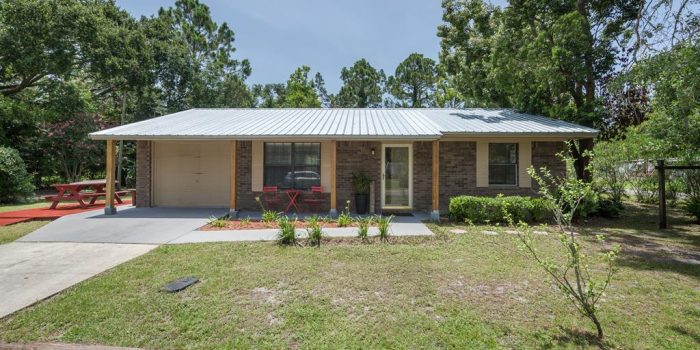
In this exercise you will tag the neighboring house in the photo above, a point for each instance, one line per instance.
(418, 158)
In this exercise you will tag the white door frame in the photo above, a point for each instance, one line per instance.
(410, 175)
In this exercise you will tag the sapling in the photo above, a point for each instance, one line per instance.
(574, 277)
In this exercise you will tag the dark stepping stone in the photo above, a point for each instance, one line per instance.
(178, 285)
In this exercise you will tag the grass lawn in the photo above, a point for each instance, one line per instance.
(448, 291)
(22, 206)
(12, 232)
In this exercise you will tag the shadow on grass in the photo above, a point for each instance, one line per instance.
(579, 338)
(682, 331)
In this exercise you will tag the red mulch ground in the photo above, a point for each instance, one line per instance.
(258, 225)
(13, 217)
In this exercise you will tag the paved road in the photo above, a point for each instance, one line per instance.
(30, 272)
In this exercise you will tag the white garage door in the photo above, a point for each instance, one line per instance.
(191, 174)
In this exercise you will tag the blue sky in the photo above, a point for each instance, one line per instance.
(277, 36)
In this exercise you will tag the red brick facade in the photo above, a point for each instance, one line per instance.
(457, 172)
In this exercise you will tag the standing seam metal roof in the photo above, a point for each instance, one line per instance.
(350, 123)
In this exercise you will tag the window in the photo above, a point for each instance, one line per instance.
(292, 165)
(503, 163)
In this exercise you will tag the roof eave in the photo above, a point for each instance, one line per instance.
(104, 137)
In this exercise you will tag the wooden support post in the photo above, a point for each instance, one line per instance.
(334, 209)
(435, 214)
(661, 169)
(109, 180)
(233, 194)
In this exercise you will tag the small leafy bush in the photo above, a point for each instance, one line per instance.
(15, 182)
(383, 223)
(313, 228)
(363, 227)
(344, 216)
(269, 216)
(609, 208)
(287, 234)
(484, 210)
(692, 207)
(246, 221)
(218, 222)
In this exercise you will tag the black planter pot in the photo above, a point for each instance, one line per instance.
(361, 203)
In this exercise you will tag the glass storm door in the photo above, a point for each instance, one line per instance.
(396, 176)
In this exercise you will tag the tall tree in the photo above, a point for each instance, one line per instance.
(413, 82)
(363, 86)
(197, 58)
(300, 90)
(546, 58)
(269, 95)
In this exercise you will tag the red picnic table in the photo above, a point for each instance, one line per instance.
(75, 191)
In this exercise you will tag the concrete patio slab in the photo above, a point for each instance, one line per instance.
(30, 272)
(129, 225)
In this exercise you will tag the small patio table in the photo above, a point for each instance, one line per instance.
(73, 192)
(293, 195)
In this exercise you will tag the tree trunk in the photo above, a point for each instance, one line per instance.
(581, 161)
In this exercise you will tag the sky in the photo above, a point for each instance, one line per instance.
(277, 36)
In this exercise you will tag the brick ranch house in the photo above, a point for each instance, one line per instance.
(417, 158)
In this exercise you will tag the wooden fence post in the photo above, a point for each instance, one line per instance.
(662, 193)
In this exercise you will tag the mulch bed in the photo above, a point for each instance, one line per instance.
(259, 225)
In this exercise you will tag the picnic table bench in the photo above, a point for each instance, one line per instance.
(76, 191)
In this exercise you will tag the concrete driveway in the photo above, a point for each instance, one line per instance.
(129, 225)
(30, 272)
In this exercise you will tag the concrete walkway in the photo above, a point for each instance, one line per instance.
(30, 272)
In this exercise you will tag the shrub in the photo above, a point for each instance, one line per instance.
(15, 182)
(363, 227)
(218, 222)
(287, 234)
(609, 208)
(344, 216)
(269, 216)
(581, 279)
(692, 206)
(483, 210)
(313, 229)
(383, 223)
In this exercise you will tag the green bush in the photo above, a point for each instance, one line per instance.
(609, 208)
(481, 210)
(692, 206)
(287, 231)
(15, 182)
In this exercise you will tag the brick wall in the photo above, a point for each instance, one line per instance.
(143, 174)
(355, 156)
(422, 176)
(458, 170)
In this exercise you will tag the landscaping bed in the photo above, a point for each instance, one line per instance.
(260, 225)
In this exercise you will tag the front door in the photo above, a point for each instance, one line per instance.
(397, 177)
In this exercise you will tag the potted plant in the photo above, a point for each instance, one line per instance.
(360, 185)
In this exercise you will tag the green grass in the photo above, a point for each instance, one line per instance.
(448, 291)
(12, 232)
(22, 206)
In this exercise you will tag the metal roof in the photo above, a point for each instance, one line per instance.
(342, 123)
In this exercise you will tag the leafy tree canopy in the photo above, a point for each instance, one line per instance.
(413, 83)
(363, 86)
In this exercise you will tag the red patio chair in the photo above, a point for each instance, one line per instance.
(271, 198)
(314, 199)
